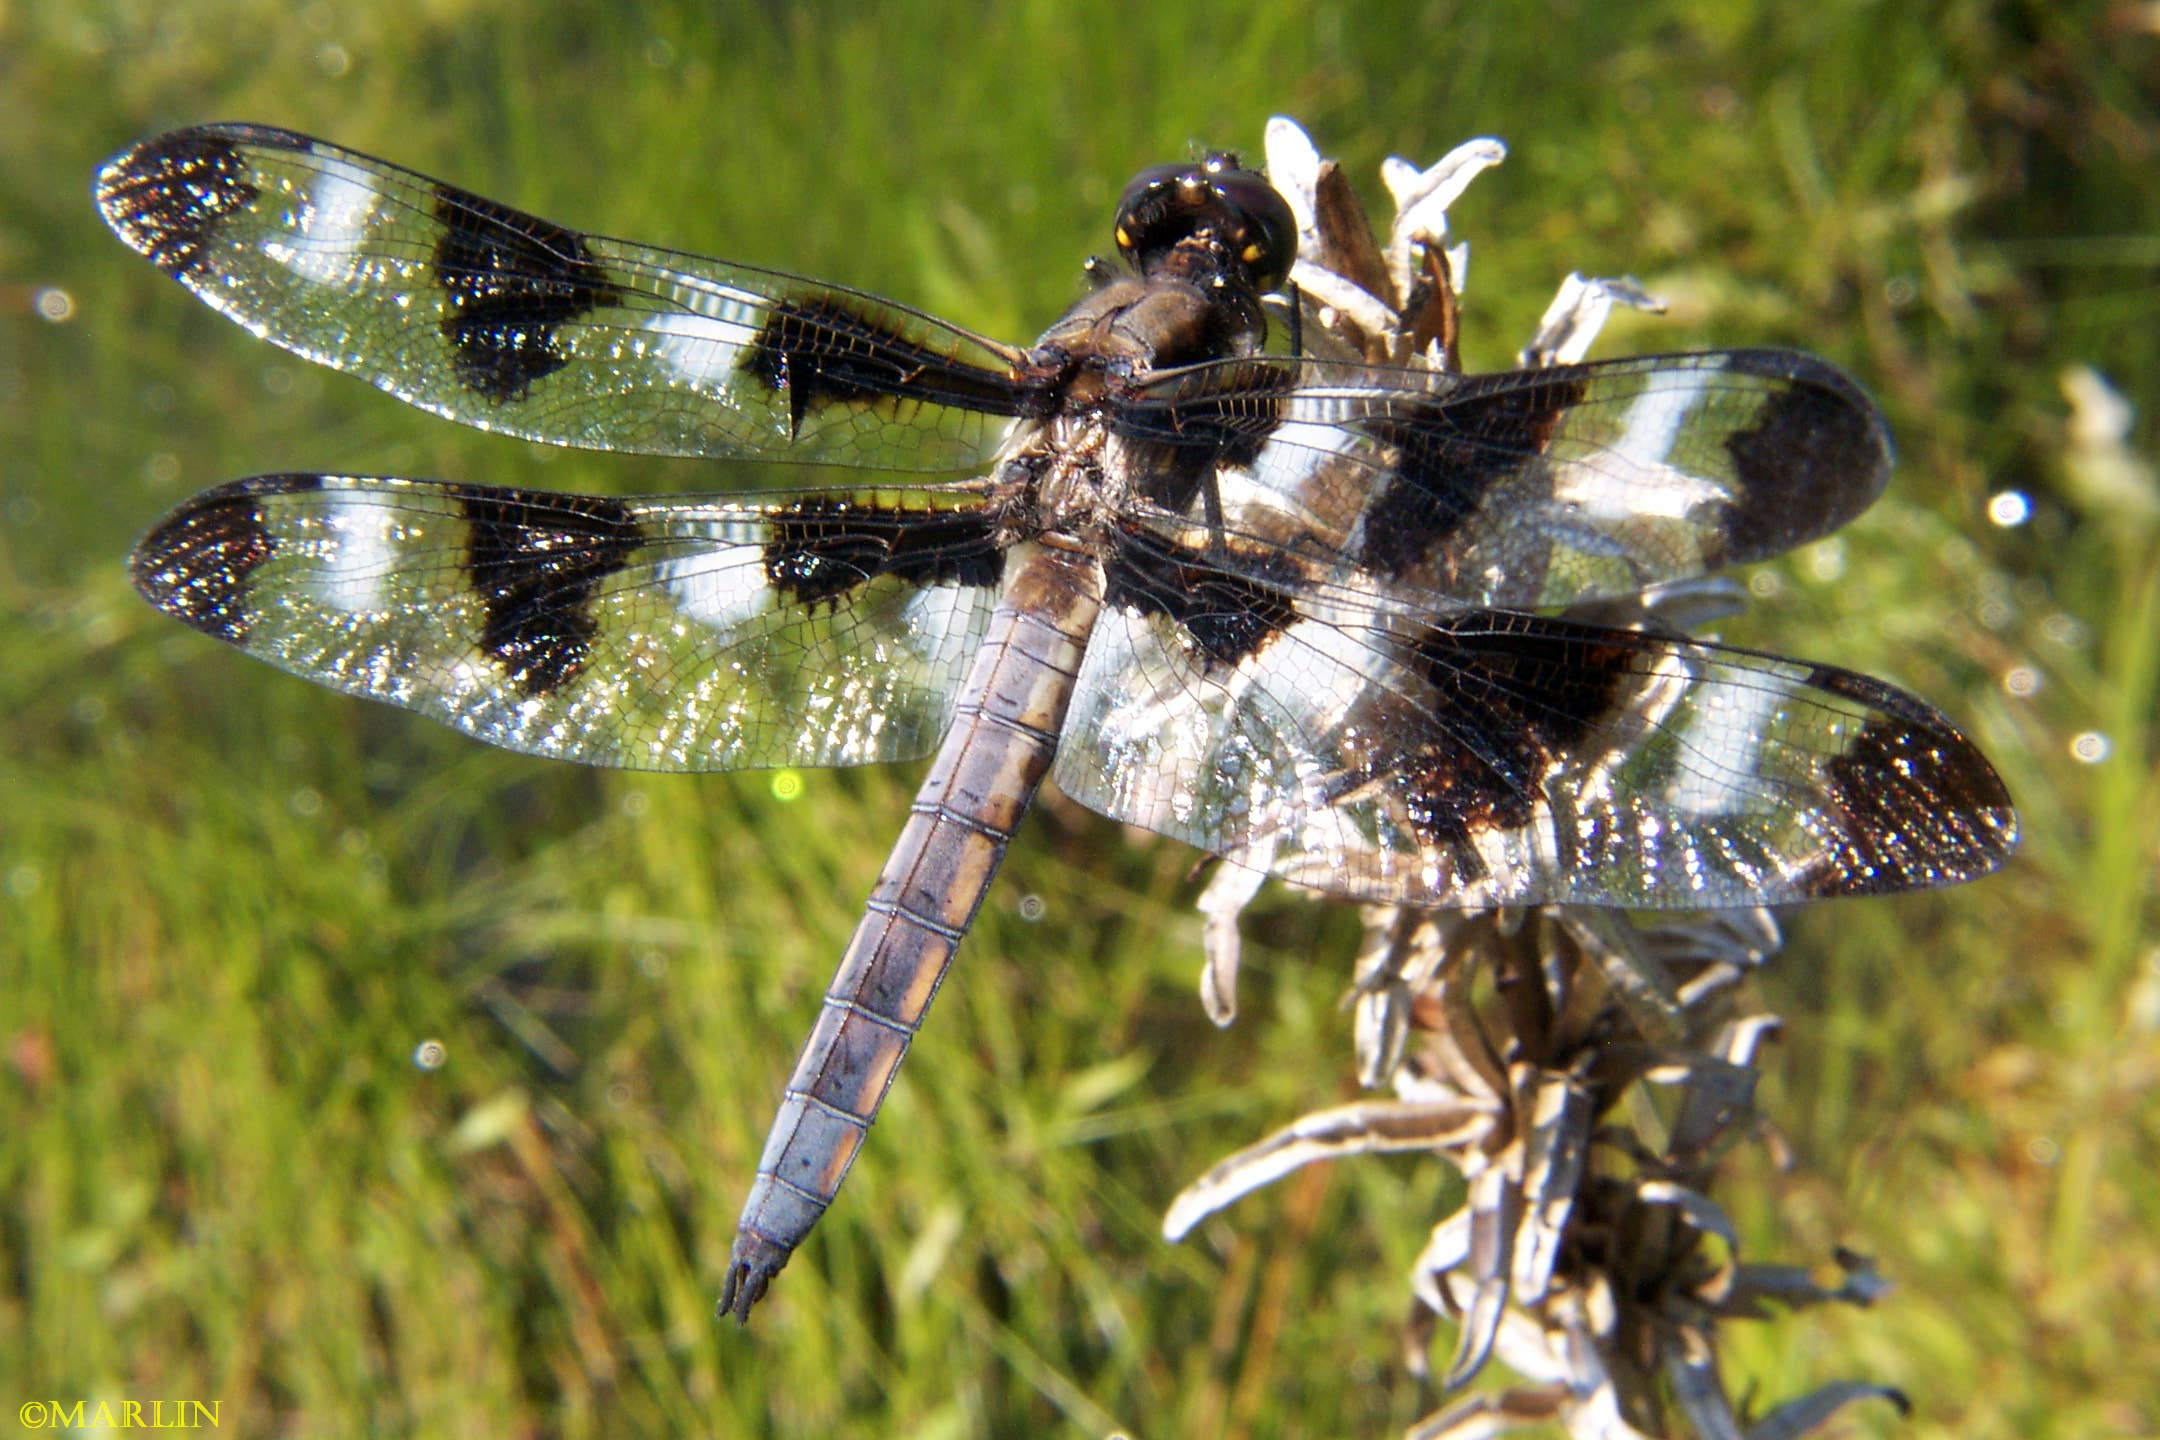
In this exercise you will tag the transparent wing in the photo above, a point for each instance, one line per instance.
(1486, 757)
(704, 634)
(1526, 490)
(501, 320)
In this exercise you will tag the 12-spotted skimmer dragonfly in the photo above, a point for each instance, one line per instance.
(1292, 610)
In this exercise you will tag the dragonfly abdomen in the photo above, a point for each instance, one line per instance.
(1000, 746)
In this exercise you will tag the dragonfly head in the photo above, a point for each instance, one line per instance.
(1216, 201)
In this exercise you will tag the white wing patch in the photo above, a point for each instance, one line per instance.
(1616, 494)
(358, 552)
(330, 228)
(694, 347)
(1309, 435)
(1321, 694)
(1725, 741)
(703, 347)
(720, 590)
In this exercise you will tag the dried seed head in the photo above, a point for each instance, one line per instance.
(1587, 1255)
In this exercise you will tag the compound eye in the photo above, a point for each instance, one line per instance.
(1147, 199)
(1265, 232)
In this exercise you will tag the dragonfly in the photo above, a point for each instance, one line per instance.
(1298, 611)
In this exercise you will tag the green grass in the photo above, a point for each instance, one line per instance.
(231, 905)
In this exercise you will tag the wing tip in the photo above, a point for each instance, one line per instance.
(1817, 455)
(1974, 847)
(1919, 805)
(167, 196)
(196, 562)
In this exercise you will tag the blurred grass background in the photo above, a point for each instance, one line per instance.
(232, 906)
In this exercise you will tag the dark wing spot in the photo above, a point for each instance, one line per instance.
(1451, 452)
(820, 351)
(1514, 698)
(1178, 441)
(1915, 803)
(1817, 455)
(512, 280)
(196, 563)
(536, 560)
(1226, 616)
(167, 196)
(821, 549)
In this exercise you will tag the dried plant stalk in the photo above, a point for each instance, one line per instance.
(1587, 1256)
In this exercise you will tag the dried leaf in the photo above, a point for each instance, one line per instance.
(1575, 317)
(1376, 1127)
(1485, 1415)
(1691, 1371)
(1346, 239)
(1561, 1111)
(1495, 1212)
(1228, 892)
(1797, 1417)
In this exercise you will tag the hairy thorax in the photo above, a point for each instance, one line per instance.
(1062, 473)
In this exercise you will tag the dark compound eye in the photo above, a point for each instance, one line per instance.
(1153, 213)
(1267, 235)
(1169, 203)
